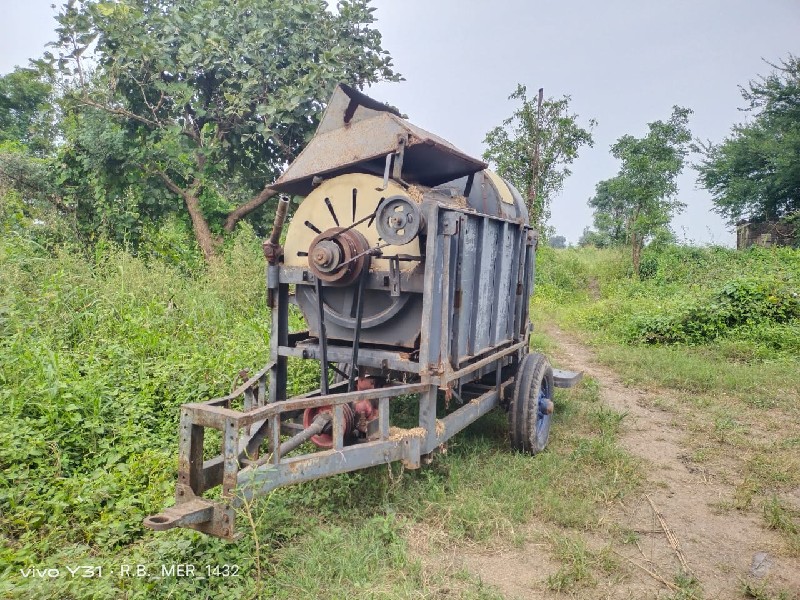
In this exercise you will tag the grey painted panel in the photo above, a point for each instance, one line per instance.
(486, 287)
(518, 256)
(506, 249)
(468, 276)
(432, 320)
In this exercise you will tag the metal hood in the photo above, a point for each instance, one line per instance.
(357, 133)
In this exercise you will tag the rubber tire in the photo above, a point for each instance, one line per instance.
(529, 427)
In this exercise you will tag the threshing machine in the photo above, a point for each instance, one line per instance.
(413, 267)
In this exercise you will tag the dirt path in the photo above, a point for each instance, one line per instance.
(721, 547)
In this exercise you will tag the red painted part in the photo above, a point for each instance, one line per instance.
(366, 410)
(325, 440)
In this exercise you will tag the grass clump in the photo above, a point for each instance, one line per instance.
(720, 329)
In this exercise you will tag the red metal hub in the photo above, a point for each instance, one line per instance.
(325, 439)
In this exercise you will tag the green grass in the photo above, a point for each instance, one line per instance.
(579, 564)
(725, 362)
(98, 353)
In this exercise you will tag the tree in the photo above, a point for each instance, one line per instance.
(643, 194)
(26, 110)
(592, 238)
(533, 149)
(557, 241)
(755, 172)
(206, 99)
(610, 218)
(28, 193)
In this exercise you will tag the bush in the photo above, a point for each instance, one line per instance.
(743, 302)
(96, 357)
(749, 301)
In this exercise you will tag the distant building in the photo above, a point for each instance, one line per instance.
(766, 234)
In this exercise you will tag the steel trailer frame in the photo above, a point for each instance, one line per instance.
(259, 411)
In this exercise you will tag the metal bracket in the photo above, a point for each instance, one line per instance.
(566, 379)
(386, 171)
(397, 171)
(449, 224)
(192, 512)
(394, 276)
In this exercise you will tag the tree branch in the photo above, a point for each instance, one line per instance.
(245, 209)
(121, 112)
(207, 242)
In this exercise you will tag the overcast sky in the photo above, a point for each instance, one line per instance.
(625, 63)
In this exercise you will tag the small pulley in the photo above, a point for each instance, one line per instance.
(398, 220)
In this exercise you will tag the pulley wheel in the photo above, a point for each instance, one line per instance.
(337, 256)
(325, 439)
(398, 220)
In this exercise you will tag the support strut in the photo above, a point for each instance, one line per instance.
(362, 281)
(323, 340)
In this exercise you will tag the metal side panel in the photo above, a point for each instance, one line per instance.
(468, 273)
(518, 256)
(432, 296)
(522, 299)
(506, 254)
(485, 298)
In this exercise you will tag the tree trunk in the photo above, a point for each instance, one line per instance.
(202, 233)
(533, 212)
(637, 253)
(245, 209)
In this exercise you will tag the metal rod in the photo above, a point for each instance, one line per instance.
(358, 316)
(213, 416)
(323, 340)
(280, 219)
(444, 340)
(386, 170)
(319, 423)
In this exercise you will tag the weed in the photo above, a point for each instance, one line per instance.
(760, 590)
(579, 563)
(689, 587)
(782, 518)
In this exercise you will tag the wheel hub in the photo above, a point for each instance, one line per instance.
(338, 255)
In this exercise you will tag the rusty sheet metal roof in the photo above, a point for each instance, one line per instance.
(356, 133)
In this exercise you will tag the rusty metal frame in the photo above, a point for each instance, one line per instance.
(253, 417)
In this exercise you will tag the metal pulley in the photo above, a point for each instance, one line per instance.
(398, 220)
(337, 255)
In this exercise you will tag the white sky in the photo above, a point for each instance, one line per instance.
(624, 62)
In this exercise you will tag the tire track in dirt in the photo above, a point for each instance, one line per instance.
(719, 546)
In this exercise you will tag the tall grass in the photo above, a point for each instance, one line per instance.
(96, 356)
(95, 359)
(716, 332)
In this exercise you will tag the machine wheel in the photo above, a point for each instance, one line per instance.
(531, 407)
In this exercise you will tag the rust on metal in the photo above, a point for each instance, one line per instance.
(371, 133)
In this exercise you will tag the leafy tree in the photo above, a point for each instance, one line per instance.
(26, 110)
(205, 99)
(550, 138)
(557, 241)
(755, 172)
(28, 193)
(640, 200)
(589, 237)
(610, 219)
